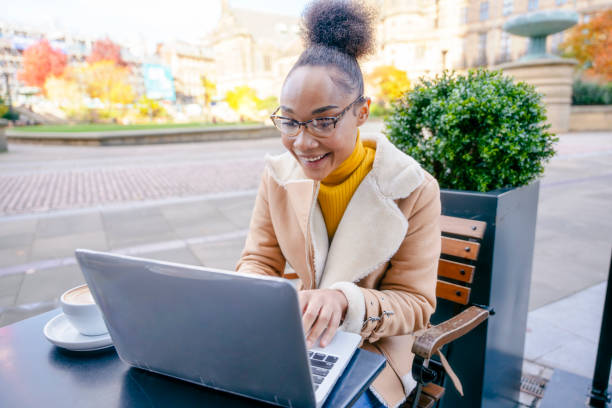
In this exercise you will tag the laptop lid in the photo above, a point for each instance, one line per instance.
(229, 331)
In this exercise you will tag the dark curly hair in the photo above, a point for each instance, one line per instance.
(336, 33)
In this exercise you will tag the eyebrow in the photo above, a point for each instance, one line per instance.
(323, 109)
(314, 112)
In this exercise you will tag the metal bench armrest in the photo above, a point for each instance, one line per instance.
(426, 344)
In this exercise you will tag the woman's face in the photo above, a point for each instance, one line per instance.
(310, 93)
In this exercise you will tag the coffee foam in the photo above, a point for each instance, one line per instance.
(79, 296)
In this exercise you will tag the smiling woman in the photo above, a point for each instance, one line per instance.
(357, 220)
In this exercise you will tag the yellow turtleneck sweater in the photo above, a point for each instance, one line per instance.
(338, 187)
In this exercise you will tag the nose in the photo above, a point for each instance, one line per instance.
(305, 140)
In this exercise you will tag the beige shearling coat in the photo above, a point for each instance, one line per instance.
(383, 256)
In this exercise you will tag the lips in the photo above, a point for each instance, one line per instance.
(313, 160)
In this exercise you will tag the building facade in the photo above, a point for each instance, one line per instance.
(424, 37)
(253, 48)
(188, 64)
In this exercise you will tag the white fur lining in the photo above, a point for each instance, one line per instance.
(409, 383)
(284, 168)
(370, 218)
(355, 314)
(320, 241)
(383, 401)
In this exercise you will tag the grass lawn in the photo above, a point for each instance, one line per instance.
(101, 127)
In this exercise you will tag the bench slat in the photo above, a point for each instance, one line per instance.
(454, 293)
(456, 270)
(463, 226)
(460, 248)
(434, 391)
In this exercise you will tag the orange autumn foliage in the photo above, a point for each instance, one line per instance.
(40, 61)
(107, 82)
(106, 50)
(591, 44)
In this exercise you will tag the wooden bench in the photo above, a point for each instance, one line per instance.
(461, 241)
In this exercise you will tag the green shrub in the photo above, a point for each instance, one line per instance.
(591, 93)
(11, 115)
(477, 132)
(379, 111)
(6, 112)
(3, 108)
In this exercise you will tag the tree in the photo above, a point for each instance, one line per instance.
(64, 91)
(106, 50)
(591, 44)
(3, 108)
(39, 61)
(243, 99)
(210, 90)
(107, 82)
(390, 83)
(150, 108)
(267, 105)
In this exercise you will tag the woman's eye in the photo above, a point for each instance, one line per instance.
(323, 123)
(288, 123)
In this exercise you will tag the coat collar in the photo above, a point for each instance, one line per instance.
(372, 227)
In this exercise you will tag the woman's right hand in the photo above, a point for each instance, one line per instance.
(322, 313)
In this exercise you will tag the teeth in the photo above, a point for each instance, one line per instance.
(314, 158)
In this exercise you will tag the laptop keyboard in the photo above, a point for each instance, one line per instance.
(320, 365)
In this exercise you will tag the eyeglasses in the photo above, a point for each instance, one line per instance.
(321, 127)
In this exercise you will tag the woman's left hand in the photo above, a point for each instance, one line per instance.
(322, 311)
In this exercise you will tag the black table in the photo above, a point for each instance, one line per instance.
(35, 373)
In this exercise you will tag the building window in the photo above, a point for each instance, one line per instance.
(267, 63)
(420, 51)
(464, 15)
(484, 10)
(508, 5)
(560, 2)
(482, 49)
(532, 5)
(505, 46)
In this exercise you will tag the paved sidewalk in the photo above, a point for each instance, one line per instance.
(565, 334)
(36, 252)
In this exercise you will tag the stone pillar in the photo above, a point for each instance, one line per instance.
(3, 145)
(553, 78)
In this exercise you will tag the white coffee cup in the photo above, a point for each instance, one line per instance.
(82, 312)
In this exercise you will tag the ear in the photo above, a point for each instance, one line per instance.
(364, 112)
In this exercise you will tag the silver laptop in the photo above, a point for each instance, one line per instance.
(225, 330)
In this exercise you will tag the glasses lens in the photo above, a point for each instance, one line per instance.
(286, 126)
(323, 126)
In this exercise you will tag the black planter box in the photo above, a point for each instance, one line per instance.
(489, 360)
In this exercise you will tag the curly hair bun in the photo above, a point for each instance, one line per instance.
(347, 25)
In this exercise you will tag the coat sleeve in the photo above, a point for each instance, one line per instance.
(405, 298)
(261, 254)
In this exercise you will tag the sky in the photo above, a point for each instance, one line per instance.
(156, 21)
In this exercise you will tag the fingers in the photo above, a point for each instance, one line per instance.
(310, 315)
(332, 327)
(322, 312)
(322, 322)
(303, 297)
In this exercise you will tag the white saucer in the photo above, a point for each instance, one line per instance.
(60, 332)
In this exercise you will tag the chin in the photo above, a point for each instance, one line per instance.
(315, 175)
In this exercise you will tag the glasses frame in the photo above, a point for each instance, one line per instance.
(335, 119)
